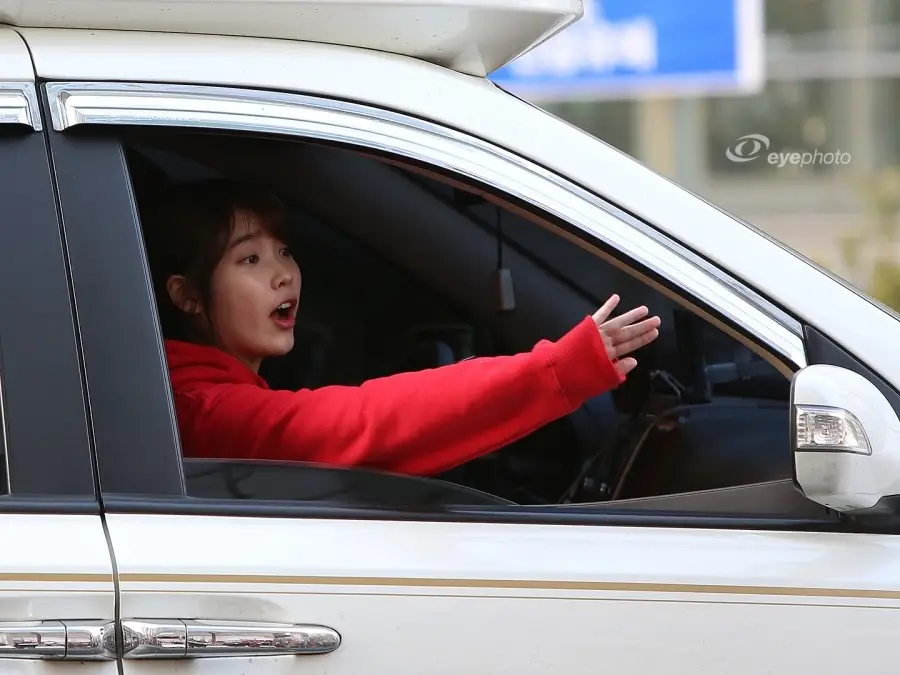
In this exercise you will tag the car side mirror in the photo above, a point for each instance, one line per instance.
(845, 440)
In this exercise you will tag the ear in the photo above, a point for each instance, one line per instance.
(182, 295)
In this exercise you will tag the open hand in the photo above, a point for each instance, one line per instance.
(622, 335)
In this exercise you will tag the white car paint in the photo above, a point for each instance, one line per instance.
(449, 598)
(471, 36)
(15, 64)
(54, 567)
(476, 106)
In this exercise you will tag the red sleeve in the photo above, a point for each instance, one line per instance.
(423, 422)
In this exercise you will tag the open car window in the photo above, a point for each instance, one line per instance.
(703, 413)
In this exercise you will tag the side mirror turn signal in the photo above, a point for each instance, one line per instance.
(845, 440)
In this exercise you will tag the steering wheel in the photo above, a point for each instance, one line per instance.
(605, 470)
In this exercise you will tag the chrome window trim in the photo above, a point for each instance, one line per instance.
(19, 105)
(262, 111)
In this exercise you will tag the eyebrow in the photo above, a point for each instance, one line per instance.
(243, 238)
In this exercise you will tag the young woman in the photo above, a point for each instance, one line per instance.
(228, 291)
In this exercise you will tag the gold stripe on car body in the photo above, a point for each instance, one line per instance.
(58, 577)
(486, 584)
(523, 584)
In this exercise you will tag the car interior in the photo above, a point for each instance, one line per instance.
(399, 265)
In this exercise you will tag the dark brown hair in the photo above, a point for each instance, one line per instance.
(187, 229)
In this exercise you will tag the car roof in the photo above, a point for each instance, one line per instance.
(474, 37)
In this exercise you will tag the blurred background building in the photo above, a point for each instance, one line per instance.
(829, 81)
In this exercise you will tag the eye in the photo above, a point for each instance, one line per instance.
(252, 259)
(286, 252)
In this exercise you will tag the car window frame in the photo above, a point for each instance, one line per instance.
(154, 482)
(74, 104)
(49, 458)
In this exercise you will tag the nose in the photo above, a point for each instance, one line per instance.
(286, 272)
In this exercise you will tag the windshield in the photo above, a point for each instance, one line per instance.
(805, 149)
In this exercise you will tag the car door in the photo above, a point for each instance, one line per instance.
(269, 583)
(57, 595)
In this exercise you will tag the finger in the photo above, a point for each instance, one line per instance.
(628, 332)
(636, 343)
(608, 346)
(625, 366)
(628, 317)
(617, 336)
(608, 306)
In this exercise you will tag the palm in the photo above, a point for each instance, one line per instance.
(625, 333)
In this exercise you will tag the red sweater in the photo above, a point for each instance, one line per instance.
(423, 422)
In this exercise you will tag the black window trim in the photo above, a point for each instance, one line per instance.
(49, 461)
(127, 379)
(518, 515)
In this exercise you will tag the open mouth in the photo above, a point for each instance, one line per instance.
(284, 312)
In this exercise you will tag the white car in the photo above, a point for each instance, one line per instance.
(731, 509)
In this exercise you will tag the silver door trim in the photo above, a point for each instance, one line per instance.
(194, 106)
(19, 105)
(32, 640)
(65, 639)
(197, 638)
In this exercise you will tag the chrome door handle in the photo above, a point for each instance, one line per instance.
(72, 640)
(180, 639)
(33, 639)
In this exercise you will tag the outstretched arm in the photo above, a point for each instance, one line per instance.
(423, 422)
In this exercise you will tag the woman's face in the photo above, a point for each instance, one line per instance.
(255, 292)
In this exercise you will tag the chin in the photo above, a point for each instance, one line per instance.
(280, 347)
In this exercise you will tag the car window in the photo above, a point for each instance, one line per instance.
(367, 314)
(397, 261)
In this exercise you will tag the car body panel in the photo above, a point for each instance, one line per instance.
(444, 598)
(54, 567)
(15, 64)
(470, 36)
(476, 106)
(33, 577)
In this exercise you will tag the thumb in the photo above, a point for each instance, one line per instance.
(625, 366)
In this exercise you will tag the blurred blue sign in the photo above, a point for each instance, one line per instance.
(623, 48)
